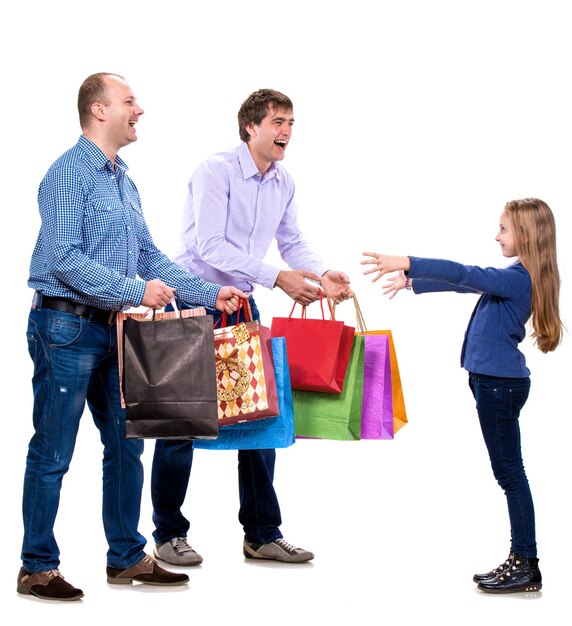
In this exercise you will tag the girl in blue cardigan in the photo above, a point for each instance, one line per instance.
(527, 290)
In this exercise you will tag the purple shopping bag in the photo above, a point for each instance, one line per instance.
(377, 405)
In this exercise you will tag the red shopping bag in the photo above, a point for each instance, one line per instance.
(318, 350)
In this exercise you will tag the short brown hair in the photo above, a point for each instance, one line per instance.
(255, 108)
(93, 89)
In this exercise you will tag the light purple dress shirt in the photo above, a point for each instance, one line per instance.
(232, 215)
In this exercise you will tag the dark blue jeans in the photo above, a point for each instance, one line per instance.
(499, 402)
(75, 360)
(259, 511)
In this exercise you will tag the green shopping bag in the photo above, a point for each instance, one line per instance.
(319, 415)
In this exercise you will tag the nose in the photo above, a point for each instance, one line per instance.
(138, 110)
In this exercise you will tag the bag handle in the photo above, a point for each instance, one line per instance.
(304, 307)
(360, 321)
(173, 303)
(243, 305)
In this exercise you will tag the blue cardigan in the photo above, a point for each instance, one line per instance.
(497, 324)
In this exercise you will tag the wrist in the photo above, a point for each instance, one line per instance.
(278, 281)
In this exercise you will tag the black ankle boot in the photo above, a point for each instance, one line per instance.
(522, 575)
(498, 570)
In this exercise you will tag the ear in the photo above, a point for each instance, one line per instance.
(98, 111)
(251, 129)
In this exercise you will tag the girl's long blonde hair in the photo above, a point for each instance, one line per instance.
(535, 239)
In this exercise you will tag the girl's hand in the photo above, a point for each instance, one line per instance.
(394, 284)
(384, 264)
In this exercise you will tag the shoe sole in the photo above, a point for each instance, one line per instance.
(128, 581)
(24, 591)
(179, 563)
(527, 589)
(251, 554)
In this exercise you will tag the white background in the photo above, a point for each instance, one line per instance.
(415, 123)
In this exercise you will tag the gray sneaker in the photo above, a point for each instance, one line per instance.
(278, 550)
(177, 551)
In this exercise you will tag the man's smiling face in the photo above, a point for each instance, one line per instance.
(269, 139)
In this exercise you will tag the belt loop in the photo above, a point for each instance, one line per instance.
(37, 300)
(112, 317)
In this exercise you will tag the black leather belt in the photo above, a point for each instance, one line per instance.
(100, 316)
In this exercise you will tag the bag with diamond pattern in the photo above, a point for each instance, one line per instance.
(246, 383)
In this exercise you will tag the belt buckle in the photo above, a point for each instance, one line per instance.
(37, 300)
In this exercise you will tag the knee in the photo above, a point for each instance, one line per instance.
(168, 450)
(52, 464)
(511, 478)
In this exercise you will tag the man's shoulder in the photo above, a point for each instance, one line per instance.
(74, 157)
(76, 166)
(219, 161)
(223, 156)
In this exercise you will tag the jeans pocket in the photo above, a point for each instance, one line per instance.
(488, 385)
(32, 346)
(63, 329)
(517, 398)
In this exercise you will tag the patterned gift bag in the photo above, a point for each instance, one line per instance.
(245, 373)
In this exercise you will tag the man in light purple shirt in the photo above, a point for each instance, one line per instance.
(238, 202)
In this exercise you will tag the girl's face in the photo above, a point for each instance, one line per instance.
(506, 236)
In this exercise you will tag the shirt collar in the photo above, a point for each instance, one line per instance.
(248, 166)
(97, 157)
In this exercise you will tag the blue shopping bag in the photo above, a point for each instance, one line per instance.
(269, 432)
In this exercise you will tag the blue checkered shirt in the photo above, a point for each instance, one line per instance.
(94, 246)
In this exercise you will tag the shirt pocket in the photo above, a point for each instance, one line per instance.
(103, 216)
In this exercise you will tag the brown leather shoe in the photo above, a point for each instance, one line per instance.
(49, 585)
(147, 572)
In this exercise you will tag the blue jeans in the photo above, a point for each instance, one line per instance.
(259, 511)
(75, 360)
(499, 402)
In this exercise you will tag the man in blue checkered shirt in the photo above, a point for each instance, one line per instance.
(93, 257)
